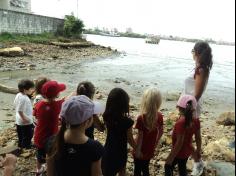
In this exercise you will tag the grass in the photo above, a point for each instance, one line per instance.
(44, 38)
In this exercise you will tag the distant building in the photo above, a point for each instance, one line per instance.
(16, 5)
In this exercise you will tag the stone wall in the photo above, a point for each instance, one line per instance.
(25, 23)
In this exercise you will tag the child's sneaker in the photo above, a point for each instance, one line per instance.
(41, 171)
(198, 168)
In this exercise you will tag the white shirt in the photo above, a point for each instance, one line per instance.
(23, 104)
(189, 88)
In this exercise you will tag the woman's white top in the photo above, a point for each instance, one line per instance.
(189, 88)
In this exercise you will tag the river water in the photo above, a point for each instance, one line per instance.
(166, 65)
(139, 66)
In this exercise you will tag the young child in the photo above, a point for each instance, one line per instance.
(88, 89)
(24, 113)
(47, 112)
(74, 153)
(150, 129)
(186, 126)
(39, 82)
(119, 132)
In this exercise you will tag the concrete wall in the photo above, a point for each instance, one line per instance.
(24, 23)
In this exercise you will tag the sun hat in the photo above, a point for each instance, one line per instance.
(78, 109)
(52, 88)
(184, 99)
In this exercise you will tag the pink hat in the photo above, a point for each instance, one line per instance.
(52, 88)
(77, 110)
(184, 99)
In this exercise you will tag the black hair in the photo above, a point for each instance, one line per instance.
(188, 113)
(86, 88)
(117, 106)
(204, 52)
(56, 150)
(25, 84)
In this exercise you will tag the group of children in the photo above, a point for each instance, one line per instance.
(63, 130)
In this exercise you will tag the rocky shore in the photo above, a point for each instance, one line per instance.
(218, 151)
(218, 130)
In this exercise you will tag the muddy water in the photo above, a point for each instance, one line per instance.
(139, 66)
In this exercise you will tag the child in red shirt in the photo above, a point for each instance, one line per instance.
(47, 114)
(150, 130)
(186, 126)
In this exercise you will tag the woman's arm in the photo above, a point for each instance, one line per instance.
(198, 139)
(175, 150)
(200, 83)
(96, 168)
(130, 137)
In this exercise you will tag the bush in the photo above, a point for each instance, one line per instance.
(73, 27)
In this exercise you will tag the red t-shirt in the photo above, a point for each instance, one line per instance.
(47, 115)
(149, 137)
(179, 129)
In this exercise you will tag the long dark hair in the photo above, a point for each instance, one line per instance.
(188, 114)
(117, 106)
(204, 53)
(56, 150)
(86, 88)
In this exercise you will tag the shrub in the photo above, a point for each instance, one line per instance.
(73, 27)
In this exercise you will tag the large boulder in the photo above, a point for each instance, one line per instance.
(222, 168)
(220, 149)
(226, 119)
(11, 52)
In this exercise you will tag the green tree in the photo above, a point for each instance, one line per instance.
(73, 27)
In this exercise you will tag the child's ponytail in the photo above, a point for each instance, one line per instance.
(188, 113)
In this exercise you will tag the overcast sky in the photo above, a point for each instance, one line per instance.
(187, 18)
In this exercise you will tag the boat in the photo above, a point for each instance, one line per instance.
(152, 40)
(110, 34)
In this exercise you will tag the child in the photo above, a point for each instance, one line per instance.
(38, 86)
(74, 153)
(186, 126)
(88, 89)
(150, 129)
(47, 115)
(119, 132)
(24, 113)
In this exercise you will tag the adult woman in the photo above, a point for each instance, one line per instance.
(196, 83)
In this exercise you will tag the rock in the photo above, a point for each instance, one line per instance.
(9, 149)
(226, 119)
(7, 89)
(11, 52)
(220, 148)
(223, 168)
(172, 96)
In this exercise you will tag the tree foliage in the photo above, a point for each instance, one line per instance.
(73, 27)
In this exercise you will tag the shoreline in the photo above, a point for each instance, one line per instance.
(40, 57)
